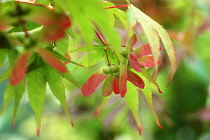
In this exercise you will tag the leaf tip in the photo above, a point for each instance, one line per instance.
(72, 123)
(38, 132)
(160, 126)
(96, 112)
(140, 129)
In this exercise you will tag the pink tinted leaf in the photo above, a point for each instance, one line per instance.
(107, 87)
(19, 69)
(135, 79)
(52, 60)
(147, 61)
(134, 62)
(115, 85)
(92, 83)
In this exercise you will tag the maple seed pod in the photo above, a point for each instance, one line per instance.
(114, 68)
(125, 52)
(106, 70)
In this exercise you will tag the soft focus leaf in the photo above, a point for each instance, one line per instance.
(134, 62)
(56, 85)
(52, 60)
(19, 69)
(5, 75)
(92, 83)
(135, 79)
(148, 95)
(132, 100)
(104, 101)
(37, 89)
(107, 86)
(150, 33)
(10, 92)
(153, 25)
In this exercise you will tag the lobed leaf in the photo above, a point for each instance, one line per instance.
(37, 89)
(144, 20)
(92, 83)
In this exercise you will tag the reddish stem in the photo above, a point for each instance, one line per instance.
(117, 6)
(102, 41)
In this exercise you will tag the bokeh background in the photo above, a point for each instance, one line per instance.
(183, 109)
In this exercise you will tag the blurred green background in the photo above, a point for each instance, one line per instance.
(184, 109)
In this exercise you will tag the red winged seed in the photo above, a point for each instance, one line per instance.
(134, 62)
(133, 41)
(144, 50)
(115, 85)
(19, 69)
(123, 83)
(92, 83)
(107, 87)
(52, 60)
(147, 61)
(135, 79)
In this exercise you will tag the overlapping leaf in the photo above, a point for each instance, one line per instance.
(153, 32)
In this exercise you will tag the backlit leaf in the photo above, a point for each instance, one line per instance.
(5, 74)
(19, 69)
(52, 60)
(92, 83)
(132, 100)
(68, 76)
(57, 87)
(144, 20)
(37, 89)
(150, 33)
